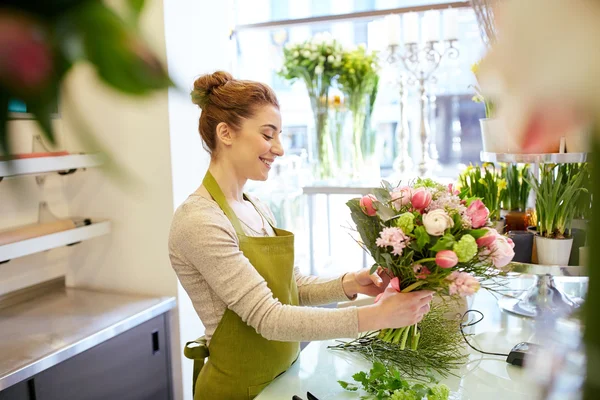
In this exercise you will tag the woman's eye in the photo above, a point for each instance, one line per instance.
(267, 137)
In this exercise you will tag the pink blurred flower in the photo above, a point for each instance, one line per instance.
(446, 259)
(393, 237)
(462, 283)
(26, 62)
(401, 196)
(451, 190)
(499, 251)
(478, 213)
(421, 198)
(366, 205)
(421, 271)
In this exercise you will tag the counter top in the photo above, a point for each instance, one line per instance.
(40, 333)
(483, 376)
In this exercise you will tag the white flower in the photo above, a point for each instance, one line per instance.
(289, 46)
(319, 69)
(330, 59)
(306, 54)
(436, 222)
(321, 59)
(296, 54)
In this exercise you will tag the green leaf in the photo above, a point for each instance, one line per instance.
(422, 237)
(135, 6)
(420, 390)
(446, 242)
(348, 386)
(382, 195)
(361, 377)
(374, 268)
(384, 212)
(477, 233)
(388, 260)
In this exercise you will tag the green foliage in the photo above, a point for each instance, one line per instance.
(556, 193)
(517, 187)
(440, 351)
(383, 382)
(75, 31)
(486, 183)
(465, 248)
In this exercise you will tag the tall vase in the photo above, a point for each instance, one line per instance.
(363, 140)
(324, 162)
(337, 138)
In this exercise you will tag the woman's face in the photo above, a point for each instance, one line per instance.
(257, 143)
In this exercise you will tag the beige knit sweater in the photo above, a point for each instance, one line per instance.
(204, 252)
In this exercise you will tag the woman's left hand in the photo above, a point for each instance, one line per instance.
(366, 283)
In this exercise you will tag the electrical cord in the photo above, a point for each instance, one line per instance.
(466, 324)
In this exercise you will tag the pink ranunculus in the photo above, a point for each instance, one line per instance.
(488, 239)
(421, 271)
(421, 198)
(366, 205)
(446, 259)
(500, 251)
(395, 282)
(401, 196)
(462, 283)
(478, 213)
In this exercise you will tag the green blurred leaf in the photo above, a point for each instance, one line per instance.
(383, 195)
(422, 237)
(136, 7)
(444, 243)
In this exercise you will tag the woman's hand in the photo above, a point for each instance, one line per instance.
(394, 310)
(365, 283)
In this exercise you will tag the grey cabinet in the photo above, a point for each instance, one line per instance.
(20, 391)
(131, 366)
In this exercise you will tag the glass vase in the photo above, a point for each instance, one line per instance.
(323, 154)
(363, 139)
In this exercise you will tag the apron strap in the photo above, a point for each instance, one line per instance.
(215, 191)
(196, 350)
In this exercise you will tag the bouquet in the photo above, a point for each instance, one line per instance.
(486, 183)
(426, 236)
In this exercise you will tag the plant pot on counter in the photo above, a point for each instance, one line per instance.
(552, 251)
(523, 245)
(495, 138)
(516, 220)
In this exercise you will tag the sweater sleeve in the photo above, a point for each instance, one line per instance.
(203, 237)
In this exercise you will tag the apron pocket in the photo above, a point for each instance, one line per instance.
(255, 390)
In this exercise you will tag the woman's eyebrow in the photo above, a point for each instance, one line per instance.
(270, 126)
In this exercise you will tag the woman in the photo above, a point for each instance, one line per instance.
(238, 268)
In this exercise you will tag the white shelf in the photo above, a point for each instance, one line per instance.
(54, 240)
(42, 165)
(539, 269)
(554, 158)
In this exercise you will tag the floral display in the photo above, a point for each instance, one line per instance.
(428, 236)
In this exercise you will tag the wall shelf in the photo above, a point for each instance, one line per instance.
(54, 240)
(43, 165)
(555, 158)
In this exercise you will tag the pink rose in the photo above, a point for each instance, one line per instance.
(500, 251)
(366, 205)
(421, 198)
(487, 239)
(446, 259)
(478, 213)
(462, 283)
(421, 271)
(395, 282)
(401, 196)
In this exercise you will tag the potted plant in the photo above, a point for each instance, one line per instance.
(514, 200)
(317, 63)
(555, 192)
(485, 183)
(359, 80)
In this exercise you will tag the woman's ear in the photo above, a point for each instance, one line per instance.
(224, 134)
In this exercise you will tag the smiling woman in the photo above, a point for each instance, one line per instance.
(238, 268)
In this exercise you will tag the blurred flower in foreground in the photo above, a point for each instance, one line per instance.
(544, 69)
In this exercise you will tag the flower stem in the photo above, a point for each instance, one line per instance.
(413, 286)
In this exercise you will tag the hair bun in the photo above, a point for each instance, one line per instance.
(206, 84)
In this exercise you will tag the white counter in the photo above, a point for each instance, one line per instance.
(483, 377)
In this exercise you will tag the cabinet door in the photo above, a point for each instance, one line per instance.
(130, 366)
(20, 391)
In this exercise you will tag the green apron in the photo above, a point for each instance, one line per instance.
(241, 361)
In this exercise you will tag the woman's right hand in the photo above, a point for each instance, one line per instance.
(395, 310)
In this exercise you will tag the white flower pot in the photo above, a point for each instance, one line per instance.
(553, 251)
(496, 138)
(578, 141)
